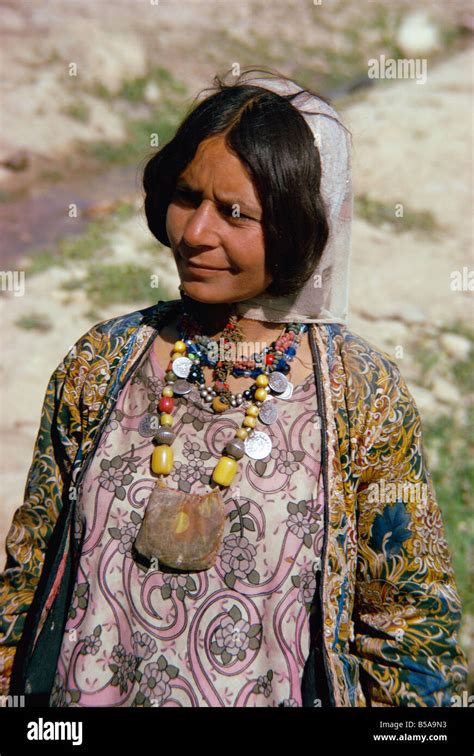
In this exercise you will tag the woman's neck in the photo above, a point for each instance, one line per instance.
(213, 318)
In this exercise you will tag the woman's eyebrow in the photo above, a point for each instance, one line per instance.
(228, 202)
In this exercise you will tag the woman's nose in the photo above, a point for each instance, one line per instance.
(201, 225)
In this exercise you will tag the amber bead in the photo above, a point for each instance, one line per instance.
(162, 459)
(249, 422)
(224, 471)
(220, 404)
(241, 433)
(252, 411)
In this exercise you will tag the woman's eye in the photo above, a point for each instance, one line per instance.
(186, 197)
(183, 195)
(230, 213)
(226, 211)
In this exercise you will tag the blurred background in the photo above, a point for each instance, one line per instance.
(86, 90)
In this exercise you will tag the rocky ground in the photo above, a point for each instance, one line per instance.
(411, 147)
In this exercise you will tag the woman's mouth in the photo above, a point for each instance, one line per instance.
(202, 269)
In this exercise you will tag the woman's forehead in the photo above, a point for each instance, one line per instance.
(214, 165)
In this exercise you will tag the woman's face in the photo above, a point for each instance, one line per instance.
(215, 229)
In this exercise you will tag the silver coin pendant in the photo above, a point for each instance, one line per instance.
(149, 425)
(258, 446)
(268, 412)
(288, 392)
(277, 381)
(182, 366)
(181, 387)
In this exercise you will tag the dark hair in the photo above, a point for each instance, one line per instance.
(276, 145)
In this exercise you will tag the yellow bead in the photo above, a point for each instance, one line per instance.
(252, 411)
(175, 356)
(166, 419)
(224, 471)
(167, 391)
(180, 346)
(261, 380)
(241, 433)
(261, 394)
(162, 459)
(250, 422)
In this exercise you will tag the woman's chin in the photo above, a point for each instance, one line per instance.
(208, 292)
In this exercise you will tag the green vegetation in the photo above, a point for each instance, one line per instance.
(378, 213)
(89, 258)
(137, 144)
(161, 119)
(127, 283)
(6, 196)
(78, 110)
(34, 322)
(89, 245)
(449, 443)
(134, 90)
(51, 175)
(73, 249)
(453, 479)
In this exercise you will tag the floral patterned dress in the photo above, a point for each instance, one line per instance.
(237, 634)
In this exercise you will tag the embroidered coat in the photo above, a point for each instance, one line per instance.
(388, 606)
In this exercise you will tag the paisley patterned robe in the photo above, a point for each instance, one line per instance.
(235, 634)
(388, 611)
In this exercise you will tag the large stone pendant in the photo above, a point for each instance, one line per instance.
(183, 531)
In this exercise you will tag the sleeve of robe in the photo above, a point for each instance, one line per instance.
(33, 522)
(407, 610)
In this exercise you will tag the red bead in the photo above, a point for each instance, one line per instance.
(269, 359)
(166, 404)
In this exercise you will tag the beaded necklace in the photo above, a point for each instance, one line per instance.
(269, 368)
(184, 531)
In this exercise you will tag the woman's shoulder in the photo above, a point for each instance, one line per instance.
(110, 337)
(364, 368)
(122, 327)
(131, 321)
(369, 386)
(357, 352)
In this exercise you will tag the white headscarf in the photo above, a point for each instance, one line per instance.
(324, 297)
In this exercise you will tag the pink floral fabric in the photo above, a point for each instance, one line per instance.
(234, 635)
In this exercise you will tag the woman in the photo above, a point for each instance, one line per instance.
(209, 526)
